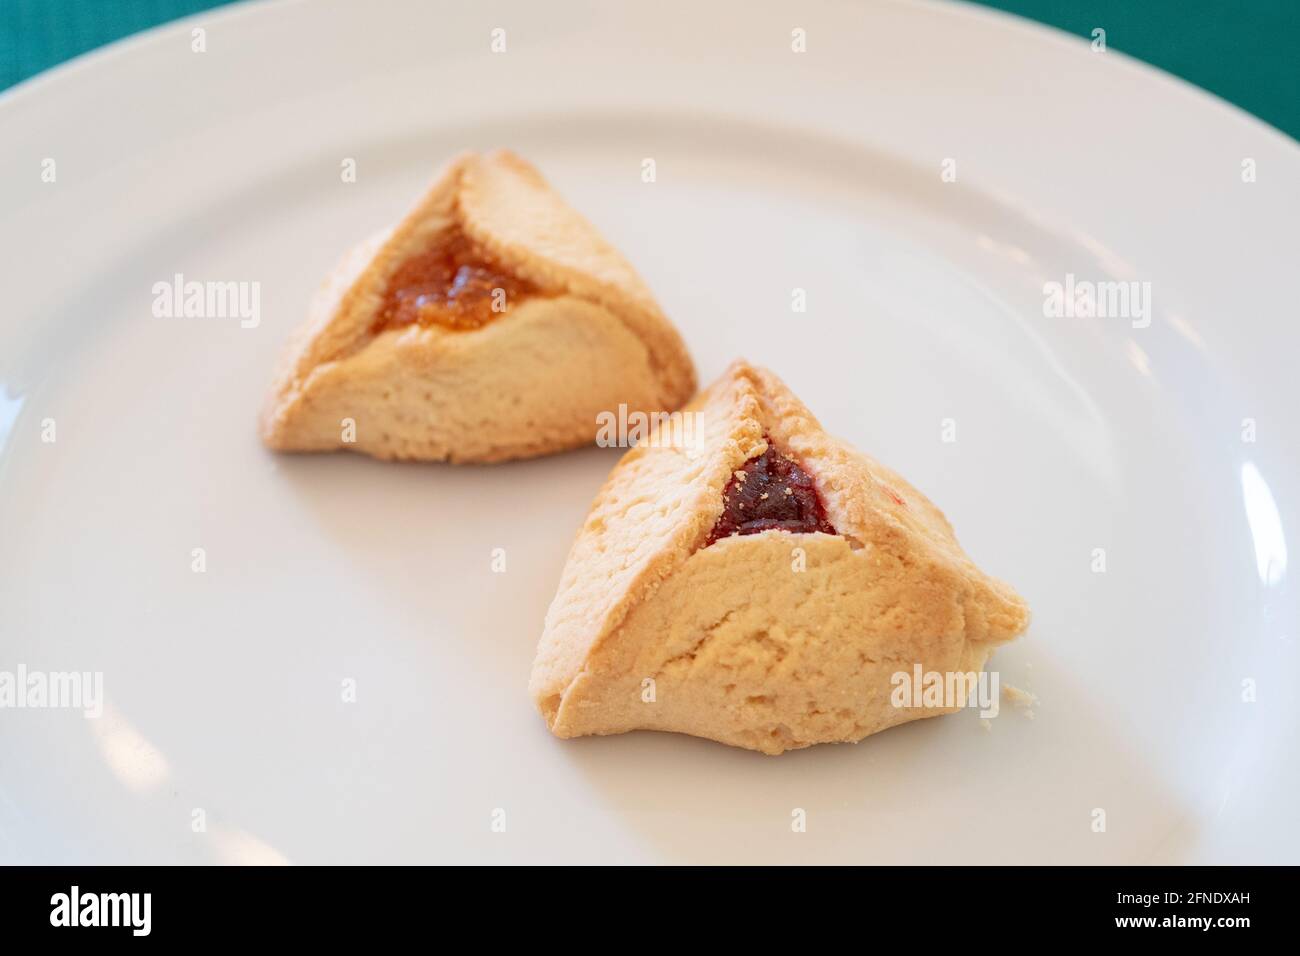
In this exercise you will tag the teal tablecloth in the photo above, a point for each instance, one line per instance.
(1246, 51)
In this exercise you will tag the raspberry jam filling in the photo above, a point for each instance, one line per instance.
(770, 493)
(454, 284)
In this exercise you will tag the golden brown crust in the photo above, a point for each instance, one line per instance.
(518, 393)
(739, 646)
(507, 206)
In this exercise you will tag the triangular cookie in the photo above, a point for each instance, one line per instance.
(760, 586)
(492, 323)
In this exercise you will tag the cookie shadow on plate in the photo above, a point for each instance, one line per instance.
(942, 790)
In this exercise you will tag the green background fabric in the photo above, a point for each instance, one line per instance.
(1247, 52)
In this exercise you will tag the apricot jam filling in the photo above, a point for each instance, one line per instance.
(454, 284)
(770, 493)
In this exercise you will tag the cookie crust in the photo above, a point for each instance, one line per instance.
(528, 383)
(738, 646)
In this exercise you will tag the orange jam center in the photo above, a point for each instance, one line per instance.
(453, 284)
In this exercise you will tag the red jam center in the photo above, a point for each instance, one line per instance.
(453, 284)
(770, 493)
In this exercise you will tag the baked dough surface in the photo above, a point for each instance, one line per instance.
(530, 382)
(770, 641)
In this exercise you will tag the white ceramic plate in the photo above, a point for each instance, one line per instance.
(225, 734)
